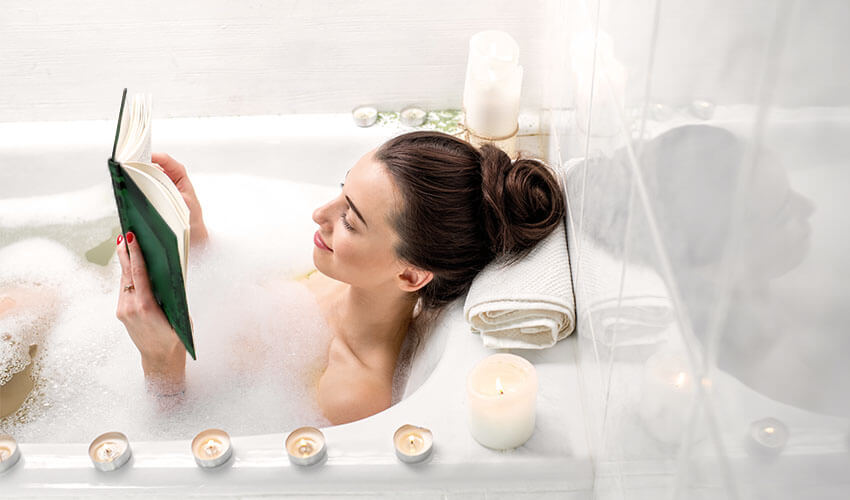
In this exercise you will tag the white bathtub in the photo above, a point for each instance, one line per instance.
(555, 463)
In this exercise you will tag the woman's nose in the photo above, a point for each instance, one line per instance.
(805, 206)
(317, 215)
(320, 215)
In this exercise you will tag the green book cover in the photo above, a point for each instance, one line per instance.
(157, 241)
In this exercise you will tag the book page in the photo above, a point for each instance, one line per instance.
(134, 139)
(171, 190)
(157, 193)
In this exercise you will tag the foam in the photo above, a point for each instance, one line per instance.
(88, 204)
(260, 337)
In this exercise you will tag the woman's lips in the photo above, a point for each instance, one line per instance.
(317, 239)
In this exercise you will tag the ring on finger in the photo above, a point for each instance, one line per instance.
(129, 288)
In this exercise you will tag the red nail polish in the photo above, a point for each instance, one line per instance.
(130, 237)
(120, 237)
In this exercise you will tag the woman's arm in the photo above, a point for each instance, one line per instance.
(163, 355)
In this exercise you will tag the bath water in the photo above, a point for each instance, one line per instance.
(259, 336)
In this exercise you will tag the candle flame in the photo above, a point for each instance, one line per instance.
(499, 386)
(305, 447)
(412, 441)
(106, 451)
(769, 430)
(680, 379)
(212, 447)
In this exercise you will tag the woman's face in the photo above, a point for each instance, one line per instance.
(355, 241)
(778, 230)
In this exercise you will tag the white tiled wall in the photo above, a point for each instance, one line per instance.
(69, 60)
(718, 242)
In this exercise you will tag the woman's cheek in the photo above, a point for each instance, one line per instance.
(342, 246)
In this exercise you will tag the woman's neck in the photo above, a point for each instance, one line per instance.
(369, 321)
(373, 317)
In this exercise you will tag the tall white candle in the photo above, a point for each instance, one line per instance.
(493, 84)
(501, 399)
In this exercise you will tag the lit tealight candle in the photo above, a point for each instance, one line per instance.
(703, 110)
(767, 437)
(110, 451)
(502, 396)
(9, 452)
(412, 116)
(365, 116)
(413, 444)
(211, 448)
(661, 112)
(306, 446)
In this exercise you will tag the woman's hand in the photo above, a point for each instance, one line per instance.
(163, 355)
(177, 173)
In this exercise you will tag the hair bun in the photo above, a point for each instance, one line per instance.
(522, 202)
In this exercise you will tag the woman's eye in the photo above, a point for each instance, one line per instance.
(345, 222)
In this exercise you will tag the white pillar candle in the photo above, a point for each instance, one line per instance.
(666, 396)
(501, 400)
(493, 84)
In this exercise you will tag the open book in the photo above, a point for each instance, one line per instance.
(150, 206)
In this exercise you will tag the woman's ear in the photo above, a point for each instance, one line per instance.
(413, 278)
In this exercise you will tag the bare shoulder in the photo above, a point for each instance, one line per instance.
(349, 390)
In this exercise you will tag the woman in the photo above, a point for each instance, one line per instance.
(416, 220)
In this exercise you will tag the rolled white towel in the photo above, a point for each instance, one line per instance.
(527, 304)
(622, 307)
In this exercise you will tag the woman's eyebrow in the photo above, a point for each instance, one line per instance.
(351, 204)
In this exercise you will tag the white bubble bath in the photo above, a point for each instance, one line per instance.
(260, 339)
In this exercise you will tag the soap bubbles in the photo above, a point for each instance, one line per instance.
(260, 338)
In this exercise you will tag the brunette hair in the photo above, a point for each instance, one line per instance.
(464, 206)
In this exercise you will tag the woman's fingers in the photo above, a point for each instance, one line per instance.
(177, 173)
(172, 168)
(124, 259)
(137, 265)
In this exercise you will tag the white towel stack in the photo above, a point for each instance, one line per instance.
(527, 304)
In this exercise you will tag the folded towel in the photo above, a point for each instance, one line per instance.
(637, 311)
(617, 306)
(527, 304)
